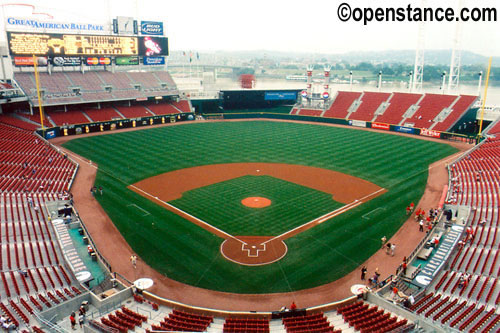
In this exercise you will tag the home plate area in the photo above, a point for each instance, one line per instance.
(253, 250)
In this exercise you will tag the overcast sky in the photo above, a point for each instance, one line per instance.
(279, 25)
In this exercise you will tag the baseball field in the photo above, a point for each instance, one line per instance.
(257, 206)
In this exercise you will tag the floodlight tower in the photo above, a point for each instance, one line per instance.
(456, 55)
(309, 82)
(418, 70)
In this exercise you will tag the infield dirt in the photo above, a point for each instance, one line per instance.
(115, 249)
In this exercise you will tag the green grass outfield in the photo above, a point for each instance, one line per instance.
(292, 205)
(188, 253)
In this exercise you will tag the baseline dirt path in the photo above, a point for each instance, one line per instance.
(116, 250)
(168, 186)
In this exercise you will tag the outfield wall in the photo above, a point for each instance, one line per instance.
(112, 125)
(354, 123)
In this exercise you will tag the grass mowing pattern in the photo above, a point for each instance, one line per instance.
(322, 254)
(220, 205)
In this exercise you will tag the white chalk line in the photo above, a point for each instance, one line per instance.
(191, 216)
(140, 208)
(316, 221)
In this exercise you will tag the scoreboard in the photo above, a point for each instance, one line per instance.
(42, 44)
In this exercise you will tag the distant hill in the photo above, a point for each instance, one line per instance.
(432, 57)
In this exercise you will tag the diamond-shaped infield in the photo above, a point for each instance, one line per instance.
(291, 205)
(255, 206)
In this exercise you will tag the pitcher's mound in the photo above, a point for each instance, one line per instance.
(256, 202)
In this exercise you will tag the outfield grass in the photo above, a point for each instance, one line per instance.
(220, 205)
(188, 253)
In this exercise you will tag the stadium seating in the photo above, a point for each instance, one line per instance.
(495, 129)
(103, 114)
(184, 321)
(308, 323)
(164, 77)
(369, 319)
(234, 325)
(28, 243)
(468, 306)
(35, 118)
(169, 108)
(134, 111)
(89, 81)
(399, 103)
(370, 101)
(363, 107)
(61, 118)
(429, 107)
(341, 104)
(95, 86)
(458, 110)
(183, 105)
(18, 122)
(310, 112)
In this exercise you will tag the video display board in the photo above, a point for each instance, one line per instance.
(21, 43)
(153, 46)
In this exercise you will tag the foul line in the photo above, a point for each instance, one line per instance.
(319, 220)
(187, 214)
(372, 211)
(316, 221)
(328, 216)
(145, 211)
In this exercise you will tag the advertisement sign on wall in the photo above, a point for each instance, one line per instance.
(403, 129)
(431, 133)
(94, 61)
(381, 126)
(125, 61)
(154, 60)
(152, 28)
(280, 95)
(28, 61)
(357, 123)
(66, 61)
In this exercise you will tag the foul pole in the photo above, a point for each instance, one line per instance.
(37, 82)
(484, 98)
